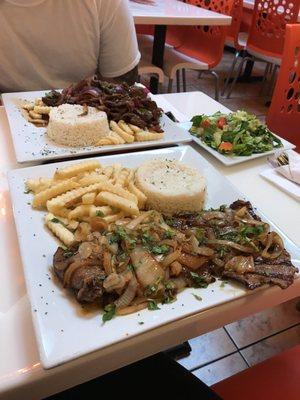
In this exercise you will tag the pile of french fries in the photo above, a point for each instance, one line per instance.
(37, 112)
(120, 133)
(76, 195)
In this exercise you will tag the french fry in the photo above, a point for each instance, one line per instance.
(45, 110)
(118, 190)
(59, 230)
(104, 142)
(75, 169)
(101, 211)
(113, 200)
(67, 198)
(122, 177)
(28, 106)
(37, 185)
(135, 128)
(81, 211)
(145, 136)
(92, 178)
(70, 224)
(116, 138)
(37, 121)
(139, 194)
(108, 171)
(44, 196)
(35, 115)
(114, 217)
(115, 128)
(125, 127)
(116, 171)
(88, 198)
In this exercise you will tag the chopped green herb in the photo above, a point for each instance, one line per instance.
(130, 267)
(198, 281)
(55, 220)
(141, 323)
(109, 312)
(199, 298)
(27, 191)
(169, 234)
(99, 213)
(163, 249)
(168, 298)
(152, 305)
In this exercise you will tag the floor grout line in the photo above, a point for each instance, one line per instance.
(213, 361)
(263, 338)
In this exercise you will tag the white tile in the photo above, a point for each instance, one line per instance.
(263, 324)
(221, 369)
(271, 346)
(207, 348)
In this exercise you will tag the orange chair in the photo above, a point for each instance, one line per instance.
(202, 47)
(235, 38)
(277, 378)
(267, 33)
(284, 113)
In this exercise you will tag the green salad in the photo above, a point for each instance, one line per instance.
(237, 133)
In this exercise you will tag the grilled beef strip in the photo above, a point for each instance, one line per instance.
(85, 275)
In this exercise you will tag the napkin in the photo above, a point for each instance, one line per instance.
(290, 171)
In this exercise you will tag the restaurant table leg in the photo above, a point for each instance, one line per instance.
(158, 53)
(247, 74)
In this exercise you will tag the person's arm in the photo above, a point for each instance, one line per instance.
(130, 77)
(118, 50)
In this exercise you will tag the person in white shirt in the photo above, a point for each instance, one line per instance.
(47, 44)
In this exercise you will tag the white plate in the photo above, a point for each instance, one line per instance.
(283, 183)
(62, 332)
(232, 160)
(31, 143)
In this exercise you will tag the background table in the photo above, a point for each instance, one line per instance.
(171, 12)
(21, 375)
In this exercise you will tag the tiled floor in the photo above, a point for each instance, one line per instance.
(226, 351)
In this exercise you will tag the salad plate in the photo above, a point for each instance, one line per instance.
(248, 147)
(32, 145)
(63, 331)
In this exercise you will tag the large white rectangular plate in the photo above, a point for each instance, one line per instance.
(233, 160)
(32, 144)
(63, 332)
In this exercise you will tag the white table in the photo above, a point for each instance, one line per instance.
(174, 12)
(171, 12)
(21, 375)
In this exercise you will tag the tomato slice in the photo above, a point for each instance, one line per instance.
(226, 146)
(221, 122)
(205, 123)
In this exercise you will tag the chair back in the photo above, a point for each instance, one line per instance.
(284, 113)
(234, 29)
(269, 20)
(207, 42)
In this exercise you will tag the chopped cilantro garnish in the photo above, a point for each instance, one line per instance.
(169, 234)
(109, 312)
(163, 249)
(99, 213)
(199, 298)
(198, 280)
(55, 220)
(152, 305)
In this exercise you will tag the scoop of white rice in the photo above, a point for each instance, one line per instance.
(68, 127)
(171, 186)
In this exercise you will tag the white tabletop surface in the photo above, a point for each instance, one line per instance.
(174, 12)
(21, 375)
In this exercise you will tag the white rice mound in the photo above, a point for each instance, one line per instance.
(171, 187)
(68, 128)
